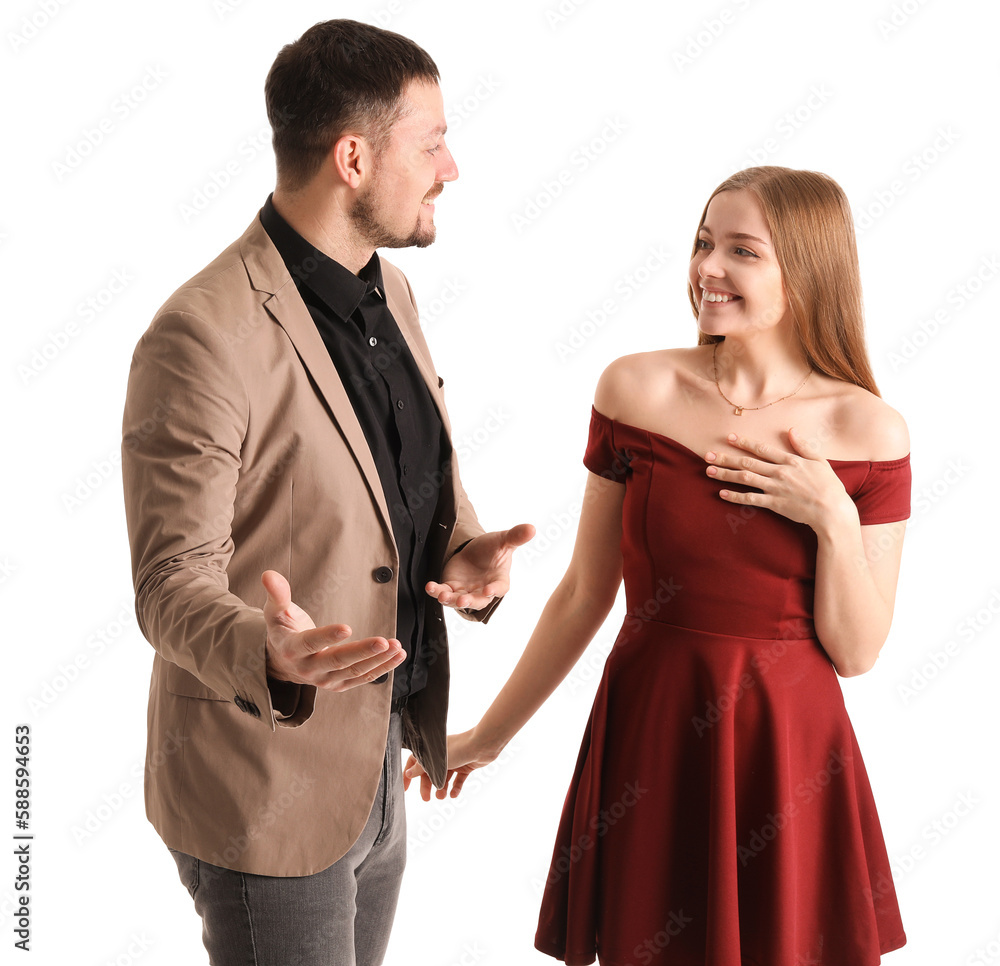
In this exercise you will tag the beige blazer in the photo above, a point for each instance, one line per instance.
(241, 452)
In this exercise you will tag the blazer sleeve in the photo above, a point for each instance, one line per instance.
(186, 415)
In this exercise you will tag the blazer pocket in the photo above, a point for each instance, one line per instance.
(179, 681)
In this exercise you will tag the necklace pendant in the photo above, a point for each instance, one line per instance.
(738, 411)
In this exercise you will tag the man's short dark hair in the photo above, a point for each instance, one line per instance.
(339, 76)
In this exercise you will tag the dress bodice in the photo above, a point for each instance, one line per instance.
(692, 559)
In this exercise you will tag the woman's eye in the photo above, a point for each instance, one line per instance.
(704, 243)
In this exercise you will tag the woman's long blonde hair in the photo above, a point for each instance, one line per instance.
(812, 230)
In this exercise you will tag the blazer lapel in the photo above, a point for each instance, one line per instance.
(269, 276)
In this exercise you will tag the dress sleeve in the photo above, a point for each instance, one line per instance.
(602, 457)
(884, 496)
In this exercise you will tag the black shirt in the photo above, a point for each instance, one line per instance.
(396, 412)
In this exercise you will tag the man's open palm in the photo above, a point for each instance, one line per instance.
(301, 652)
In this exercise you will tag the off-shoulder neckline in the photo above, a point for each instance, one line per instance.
(687, 449)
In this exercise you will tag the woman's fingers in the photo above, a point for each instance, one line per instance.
(411, 770)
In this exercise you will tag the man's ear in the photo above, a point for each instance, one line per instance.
(350, 158)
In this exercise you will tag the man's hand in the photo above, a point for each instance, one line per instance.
(300, 652)
(480, 571)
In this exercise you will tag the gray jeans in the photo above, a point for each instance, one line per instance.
(338, 917)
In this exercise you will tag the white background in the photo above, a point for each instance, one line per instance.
(666, 100)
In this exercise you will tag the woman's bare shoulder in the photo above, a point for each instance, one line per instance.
(871, 425)
(632, 384)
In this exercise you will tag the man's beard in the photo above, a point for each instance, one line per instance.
(366, 216)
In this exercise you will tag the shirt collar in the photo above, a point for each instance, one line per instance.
(337, 286)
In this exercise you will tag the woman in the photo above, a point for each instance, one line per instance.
(752, 490)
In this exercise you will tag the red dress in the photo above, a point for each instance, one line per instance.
(720, 813)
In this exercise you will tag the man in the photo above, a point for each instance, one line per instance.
(285, 427)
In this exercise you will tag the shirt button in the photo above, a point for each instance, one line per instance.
(382, 574)
(400, 404)
(373, 341)
(406, 469)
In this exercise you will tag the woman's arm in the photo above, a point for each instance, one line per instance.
(572, 616)
(857, 568)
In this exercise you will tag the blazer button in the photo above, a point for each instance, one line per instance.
(249, 707)
(382, 574)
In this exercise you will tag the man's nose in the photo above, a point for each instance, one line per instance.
(447, 169)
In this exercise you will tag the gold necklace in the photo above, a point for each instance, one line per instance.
(738, 410)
